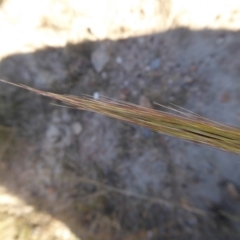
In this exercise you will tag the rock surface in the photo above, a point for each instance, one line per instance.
(111, 177)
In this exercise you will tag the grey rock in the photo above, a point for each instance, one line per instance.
(96, 95)
(119, 60)
(76, 128)
(52, 133)
(104, 75)
(100, 58)
(192, 221)
(155, 64)
(187, 80)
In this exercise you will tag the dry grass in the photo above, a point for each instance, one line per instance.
(187, 126)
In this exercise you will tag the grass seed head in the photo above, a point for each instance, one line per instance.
(187, 126)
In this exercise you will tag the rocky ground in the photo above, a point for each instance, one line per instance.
(102, 178)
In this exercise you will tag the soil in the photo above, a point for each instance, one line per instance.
(106, 179)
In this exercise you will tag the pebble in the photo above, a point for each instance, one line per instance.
(155, 64)
(192, 221)
(193, 68)
(187, 80)
(96, 95)
(147, 68)
(225, 97)
(100, 58)
(104, 75)
(52, 133)
(119, 60)
(57, 137)
(76, 128)
(144, 102)
(232, 190)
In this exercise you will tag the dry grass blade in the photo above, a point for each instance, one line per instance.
(189, 127)
(163, 202)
